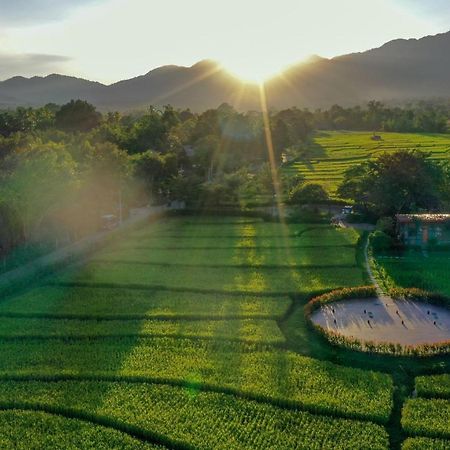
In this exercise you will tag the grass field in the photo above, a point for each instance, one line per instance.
(190, 333)
(414, 268)
(330, 153)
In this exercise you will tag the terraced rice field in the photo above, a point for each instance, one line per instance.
(170, 338)
(332, 152)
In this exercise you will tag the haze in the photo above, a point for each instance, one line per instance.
(108, 40)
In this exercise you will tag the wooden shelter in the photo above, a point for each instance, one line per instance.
(423, 229)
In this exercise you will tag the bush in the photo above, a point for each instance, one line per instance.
(307, 194)
(380, 241)
(386, 225)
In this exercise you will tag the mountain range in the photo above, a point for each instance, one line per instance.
(400, 70)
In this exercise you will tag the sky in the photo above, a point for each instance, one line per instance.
(111, 40)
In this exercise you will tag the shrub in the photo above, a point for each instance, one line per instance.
(380, 241)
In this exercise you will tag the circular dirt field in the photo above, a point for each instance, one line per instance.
(403, 322)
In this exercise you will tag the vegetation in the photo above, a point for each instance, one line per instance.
(196, 418)
(427, 417)
(412, 269)
(123, 303)
(400, 182)
(419, 118)
(425, 444)
(433, 386)
(22, 430)
(190, 333)
(265, 331)
(327, 155)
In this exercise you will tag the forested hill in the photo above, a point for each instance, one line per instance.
(399, 70)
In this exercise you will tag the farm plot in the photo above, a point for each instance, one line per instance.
(264, 331)
(414, 269)
(330, 153)
(121, 303)
(427, 417)
(194, 304)
(248, 263)
(433, 386)
(24, 430)
(200, 419)
(224, 279)
(422, 443)
(281, 376)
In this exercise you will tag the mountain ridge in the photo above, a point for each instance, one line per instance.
(399, 70)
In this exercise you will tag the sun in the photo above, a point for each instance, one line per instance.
(252, 71)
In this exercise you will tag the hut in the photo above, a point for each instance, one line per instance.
(423, 229)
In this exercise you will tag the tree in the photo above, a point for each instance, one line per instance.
(152, 170)
(401, 182)
(308, 194)
(36, 182)
(77, 115)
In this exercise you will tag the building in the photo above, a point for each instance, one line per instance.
(423, 229)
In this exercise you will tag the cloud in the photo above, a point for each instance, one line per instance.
(28, 65)
(30, 12)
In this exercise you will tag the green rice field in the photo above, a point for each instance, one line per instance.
(414, 268)
(189, 333)
(330, 153)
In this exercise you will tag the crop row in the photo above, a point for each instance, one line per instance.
(54, 301)
(294, 256)
(266, 331)
(423, 443)
(335, 151)
(226, 279)
(282, 377)
(433, 386)
(199, 419)
(427, 417)
(25, 430)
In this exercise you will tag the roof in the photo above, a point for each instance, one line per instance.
(425, 218)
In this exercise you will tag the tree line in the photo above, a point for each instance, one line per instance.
(63, 168)
(421, 117)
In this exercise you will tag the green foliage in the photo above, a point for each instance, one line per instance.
(114, 303)
(427, 417)
(77, 115)
(433, 386)
(413, 269)
(380, 241)
(327, 154)
(62, 330)
(308, 194)
(23, 430)
(400, 182)
(420, 117)
(421, 443)
(282, 377)
(248, 330)
(248, 246)
(198, 419)
(386, 225)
